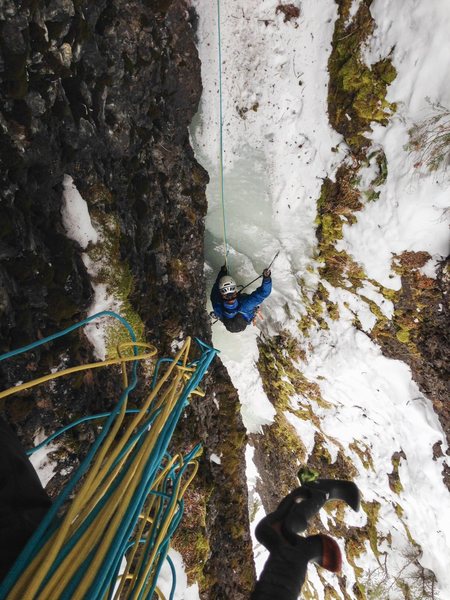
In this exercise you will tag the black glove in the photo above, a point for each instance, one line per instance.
(223, 270)
(267, 273)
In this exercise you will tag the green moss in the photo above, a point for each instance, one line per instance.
(363, 451)
(403, 336)
(318, 307)
(333, 311)
(234, 508)
(387, 293)
(281, 378)
(340, 270)
(111, 271)
(372, 510)
(399, 511)
(320, 459)
(368, 87)
(357, 92)
(190, 538)
(255, 506)
(338, 200)
(330, 593)
(371, 194)
(413, 304)
(354, 548)
(272, 367)
(309, 592)
(280, 443)
(331, 228)
(394, 478)
(382, 169)
(99, 195)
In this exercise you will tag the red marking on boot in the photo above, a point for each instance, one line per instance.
(331, 555)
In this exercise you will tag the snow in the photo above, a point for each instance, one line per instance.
(43, 465)
(255, 508)
(215, 459)
(429, 268)
(278, 147)
(417, 34)
(75, 215)
(358, 380)
(283, 68)
(78, 225)
(182, 590)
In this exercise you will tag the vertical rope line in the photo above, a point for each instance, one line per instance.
(222, 194)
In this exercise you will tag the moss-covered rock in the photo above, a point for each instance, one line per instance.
(419, 332)
(357, 92)
(394, 478)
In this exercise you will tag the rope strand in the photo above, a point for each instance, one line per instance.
(222, 193)
(126, 473)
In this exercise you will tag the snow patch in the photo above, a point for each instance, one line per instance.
(44, 466)
(183, 591)
(215, 459)
(75, 215)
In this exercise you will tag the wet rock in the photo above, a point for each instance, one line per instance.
(35, 103)
(58, 11)
(104, 92)
(65, 52)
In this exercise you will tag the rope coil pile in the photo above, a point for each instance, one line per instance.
(115, 535)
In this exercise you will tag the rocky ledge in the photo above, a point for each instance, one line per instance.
(104, 92)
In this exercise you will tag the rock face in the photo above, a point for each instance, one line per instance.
(104, 92)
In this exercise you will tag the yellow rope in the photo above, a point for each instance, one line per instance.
(77, 368)
(107, 465)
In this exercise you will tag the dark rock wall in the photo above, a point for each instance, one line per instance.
(104, 91)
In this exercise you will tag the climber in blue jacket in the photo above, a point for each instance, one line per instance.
(234, 309)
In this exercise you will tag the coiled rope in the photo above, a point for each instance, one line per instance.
(115, 534)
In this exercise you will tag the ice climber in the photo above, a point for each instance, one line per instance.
(234, 309)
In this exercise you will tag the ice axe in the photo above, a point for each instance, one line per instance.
(259, 276)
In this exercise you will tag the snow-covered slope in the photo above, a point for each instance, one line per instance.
(278, 149)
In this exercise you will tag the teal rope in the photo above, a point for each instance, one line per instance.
(222, 191)
(62, 430)
(49, 522)
(174, 577)
(58, 334)
(101, 582)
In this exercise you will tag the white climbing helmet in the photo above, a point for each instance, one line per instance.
(227, 285)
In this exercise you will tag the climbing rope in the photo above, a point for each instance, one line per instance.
(114, 536)
(221, 177)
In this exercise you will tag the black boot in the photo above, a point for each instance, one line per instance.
(285, 569)
(307, 500)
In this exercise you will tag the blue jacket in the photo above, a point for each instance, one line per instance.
(245, 304)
